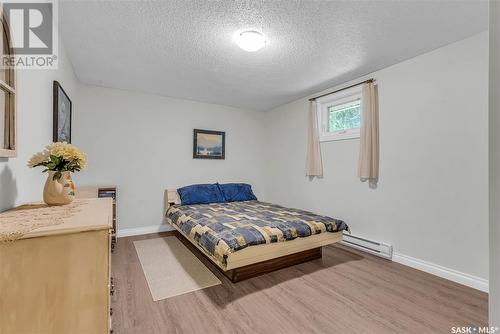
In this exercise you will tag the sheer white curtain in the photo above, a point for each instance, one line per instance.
(314, 165)
(369, 138)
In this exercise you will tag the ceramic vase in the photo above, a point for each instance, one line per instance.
(60, 191)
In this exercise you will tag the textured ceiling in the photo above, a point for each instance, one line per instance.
(185, 49)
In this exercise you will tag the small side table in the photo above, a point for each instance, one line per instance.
(101, 192)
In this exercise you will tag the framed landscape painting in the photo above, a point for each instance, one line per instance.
(61, 115)
(209, 144)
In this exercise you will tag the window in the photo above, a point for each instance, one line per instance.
(344, 117)
(339, 115)
(7, 97)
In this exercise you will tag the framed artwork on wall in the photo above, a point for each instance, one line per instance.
(61, 115)
(209, 144)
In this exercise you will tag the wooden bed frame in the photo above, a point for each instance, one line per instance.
(257, 260)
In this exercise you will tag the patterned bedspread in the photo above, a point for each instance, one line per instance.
(224, 228)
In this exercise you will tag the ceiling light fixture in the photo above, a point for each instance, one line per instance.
(250, 40)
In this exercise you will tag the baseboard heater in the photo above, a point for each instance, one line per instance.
(369, 246)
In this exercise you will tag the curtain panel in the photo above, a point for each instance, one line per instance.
(314, 165)
(368, 164)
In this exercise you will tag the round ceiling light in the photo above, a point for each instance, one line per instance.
(250, 40)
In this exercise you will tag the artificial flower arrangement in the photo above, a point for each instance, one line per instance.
(59, 159)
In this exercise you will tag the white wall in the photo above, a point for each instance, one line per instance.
(18, 183)
(143, 144)
(494, 151)
(431, 201)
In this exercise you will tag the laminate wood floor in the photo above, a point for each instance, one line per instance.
(344, 292)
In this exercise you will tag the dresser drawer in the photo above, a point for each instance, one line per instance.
(56, 284)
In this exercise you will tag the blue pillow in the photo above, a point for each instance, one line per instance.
(200, 194)
(235, 192)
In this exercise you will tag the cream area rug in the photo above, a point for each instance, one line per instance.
(171, 269)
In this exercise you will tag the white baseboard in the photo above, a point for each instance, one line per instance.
(435, 269)
(431, 268)
(128, 232)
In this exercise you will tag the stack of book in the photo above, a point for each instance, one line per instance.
(110, 192)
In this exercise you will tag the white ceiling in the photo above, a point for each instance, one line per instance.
(185, 49)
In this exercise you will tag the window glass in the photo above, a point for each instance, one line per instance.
(344, 116)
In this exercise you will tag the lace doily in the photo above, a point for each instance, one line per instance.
(21, 220)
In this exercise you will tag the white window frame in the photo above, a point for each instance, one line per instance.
(322, 106)
(9, 132)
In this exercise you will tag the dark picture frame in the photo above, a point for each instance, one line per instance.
(62, 114)
(208, 144)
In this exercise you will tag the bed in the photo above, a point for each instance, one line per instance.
(249, 238)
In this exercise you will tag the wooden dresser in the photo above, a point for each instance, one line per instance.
(56, 279)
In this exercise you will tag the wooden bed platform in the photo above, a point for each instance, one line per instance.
(256, 269)
(260, 259)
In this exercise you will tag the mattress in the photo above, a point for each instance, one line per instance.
(223, 229)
